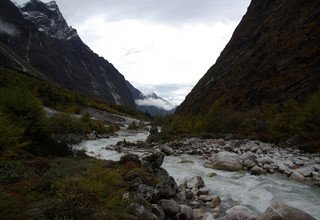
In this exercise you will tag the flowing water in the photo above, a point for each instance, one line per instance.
(256, 192)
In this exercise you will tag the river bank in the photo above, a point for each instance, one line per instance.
(186, 158)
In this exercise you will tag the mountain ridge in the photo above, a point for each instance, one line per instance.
(272, 57)
(53, 48)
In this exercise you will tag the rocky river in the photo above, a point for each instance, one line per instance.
(248, 176)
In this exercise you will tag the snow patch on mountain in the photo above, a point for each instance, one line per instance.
(48, 18)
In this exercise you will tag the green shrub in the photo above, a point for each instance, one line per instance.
(133, 126)
(10, 208)
(285, 123)
(22, 107)
(11, 135)
(64, 123)
(10, 172)
(309, 124)
(72, 199)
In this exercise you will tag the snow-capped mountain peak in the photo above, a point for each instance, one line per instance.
(48, 18)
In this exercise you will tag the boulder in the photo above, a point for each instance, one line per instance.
(316, 167)
(281, 211)
(149, 193)
(212, 174)
(141, 211)
(186, 211)
(281, 166)
(170, 207)
(129, 157)
(249, 163)
(215, 201)
(162, 175)
(195, 182)
(297, 177)
(203, 191)
(248, 156)
(256, 170)
(306, 171)
(157, 210)
(198, 214)
(167, 150)
(240, 212)
(208, 216)
(225, 161)
(205, 198)
(298, 162)
(167, 188)
(154, 160)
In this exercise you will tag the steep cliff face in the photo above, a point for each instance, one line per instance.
(41, 37)
(273, 56)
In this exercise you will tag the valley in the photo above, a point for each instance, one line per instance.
(79, 141)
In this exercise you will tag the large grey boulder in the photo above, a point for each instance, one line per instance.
(168, 188)
(130, 157)
(306, 171)
(195, 182)
(153, 161)
(249, 163)
(149, 193)
(280, 211)
(186, 211)
(248, 156)
(256, 170)
(225, 161)
(141, 211)
(167, 150)
(170, 207)
(240, 212)
(297, 177)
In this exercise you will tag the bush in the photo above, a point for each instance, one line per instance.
(309, 125)
(285, 123)
(64, 123)
(11, 135)
(73, 199)
(133, 126)
(96, 192)
(24, 113)
(10, 172)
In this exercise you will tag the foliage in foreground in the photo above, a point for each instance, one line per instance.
(65, 188)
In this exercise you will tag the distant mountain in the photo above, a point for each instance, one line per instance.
(36, 38)
(151, 103)
(272, 57)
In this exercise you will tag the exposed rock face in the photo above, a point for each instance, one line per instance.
(225, 161)
(273, 56)
(282, 211)
(43, 40)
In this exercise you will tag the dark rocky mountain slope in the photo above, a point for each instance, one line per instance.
(272, 57)
(37, 39)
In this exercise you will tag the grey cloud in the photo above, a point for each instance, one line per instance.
(8, 29)
(174, 93)
(161, 104)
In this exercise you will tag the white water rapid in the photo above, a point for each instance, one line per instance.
(256, 192)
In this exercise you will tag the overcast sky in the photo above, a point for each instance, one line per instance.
(162, 46)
